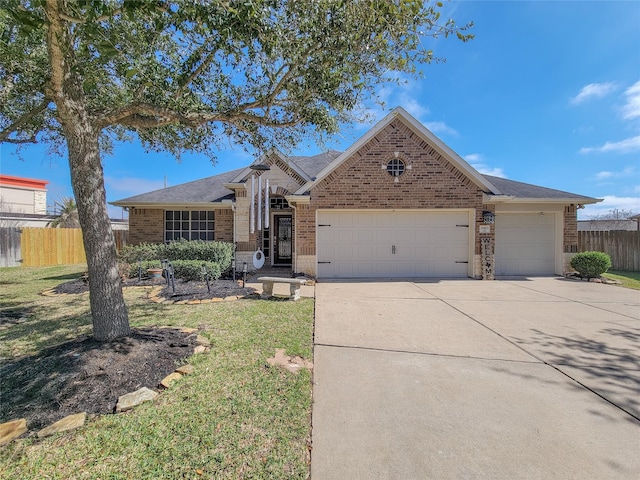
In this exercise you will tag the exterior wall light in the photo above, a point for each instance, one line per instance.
(488, 217)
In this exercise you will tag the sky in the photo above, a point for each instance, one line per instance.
(547, 93)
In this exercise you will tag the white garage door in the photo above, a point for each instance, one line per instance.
(354, 244)
(525, 244)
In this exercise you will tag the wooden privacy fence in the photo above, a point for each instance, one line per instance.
(623, 247)
(40, 247)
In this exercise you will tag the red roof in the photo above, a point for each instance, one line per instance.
(23, 182)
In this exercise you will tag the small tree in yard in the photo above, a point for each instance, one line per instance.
(185, 75)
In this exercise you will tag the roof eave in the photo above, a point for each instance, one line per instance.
(226, 203)
(495, 199)
(298, 199)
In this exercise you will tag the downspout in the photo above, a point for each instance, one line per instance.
(295, 239)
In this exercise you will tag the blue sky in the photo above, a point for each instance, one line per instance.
(547, 93)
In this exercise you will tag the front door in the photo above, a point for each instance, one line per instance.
(283, 240)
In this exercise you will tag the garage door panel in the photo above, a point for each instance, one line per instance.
(525, 244)
(427, 244)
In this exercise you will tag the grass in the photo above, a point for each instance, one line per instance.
(628, 279)
(234, 417)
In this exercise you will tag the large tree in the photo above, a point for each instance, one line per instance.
(182, 75)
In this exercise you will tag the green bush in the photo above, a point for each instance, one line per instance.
(183, 269)
(192, 269)
(591, 264)
(132, 268)
(143, 251)
(198, 250)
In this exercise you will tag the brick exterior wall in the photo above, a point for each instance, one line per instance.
(361, 183)
(146, 225)
(224, 225)
(570, 234)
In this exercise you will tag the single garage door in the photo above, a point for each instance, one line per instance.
(525, 244)
(352, 244)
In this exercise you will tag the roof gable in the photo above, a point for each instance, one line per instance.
(423, 133)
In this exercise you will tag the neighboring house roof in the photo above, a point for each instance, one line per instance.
(520, 190)
(206, 190)
(607, 225)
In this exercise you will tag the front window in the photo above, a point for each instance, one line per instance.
(189, 224)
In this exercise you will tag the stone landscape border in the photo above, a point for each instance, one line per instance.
(154, 296)
(16, 428)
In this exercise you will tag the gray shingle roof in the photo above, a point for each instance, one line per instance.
(526, 190)
(205, 190)
(212, 189)
(314, 164)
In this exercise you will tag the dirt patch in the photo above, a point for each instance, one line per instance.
(184, 290)
(88, 376)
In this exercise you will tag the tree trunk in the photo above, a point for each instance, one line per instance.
(108, 310)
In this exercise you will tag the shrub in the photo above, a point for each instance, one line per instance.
(192, 269)
(218, 252)
(143, 251)
(591, 264)
(132, 268)
(197, 250)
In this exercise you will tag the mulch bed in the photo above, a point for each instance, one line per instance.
(184, 290)
(88, 376)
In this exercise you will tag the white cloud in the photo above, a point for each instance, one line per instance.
(610, 202)
(593, 90)
(440, 127)
(623, 146)
(476, 160)
(414, 107)
(474, 157)
(632, 108)
(606, 174)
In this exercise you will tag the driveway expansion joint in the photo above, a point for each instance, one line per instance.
(428, 354)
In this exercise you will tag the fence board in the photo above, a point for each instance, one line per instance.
(58, 246)
(10, 247)
(622, 246)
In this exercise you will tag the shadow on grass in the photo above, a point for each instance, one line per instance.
(42, 326)
(86, 375)
(68, 276)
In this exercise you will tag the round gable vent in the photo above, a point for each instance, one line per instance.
(395, 167)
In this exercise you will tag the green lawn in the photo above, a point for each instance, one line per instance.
(628, 279)
(234, 417)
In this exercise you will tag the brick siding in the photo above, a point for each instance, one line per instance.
(360, 182)
(146, 225)
(570, 234)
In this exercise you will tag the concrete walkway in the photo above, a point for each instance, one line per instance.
(534, 378)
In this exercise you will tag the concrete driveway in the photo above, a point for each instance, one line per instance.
(534, 378)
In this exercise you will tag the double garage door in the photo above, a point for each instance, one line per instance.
(352, 244)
